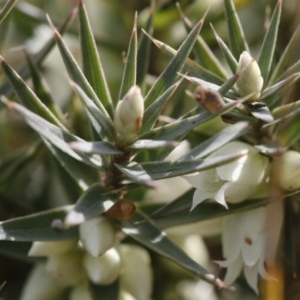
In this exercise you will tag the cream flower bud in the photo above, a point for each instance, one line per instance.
(104, 269)
(97, 235)
(287, 168)
(137, 275)
(40, 285)
(66, 268)
(250, 80)
(129, 115)
(51, 248)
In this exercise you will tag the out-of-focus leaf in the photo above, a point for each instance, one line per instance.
(95, 147)
(231, 60)
(168, 76)
(152, 144)
(105, 292)
(295, 68)
(269, 91)
(136, 173)
(167, 169)
(217, 140)
(15, 250)
(27, 96)
(104, 124)
(37, 227)
(129, 73)
(237, 39)
(23, 71)
(143, 54)
(287, 110)
(42, 91)
(93, 202)
(92, 67)
(270, 149)
(180, 128)
(261, 112)
(153, 111)
(282, 64)
(228, 84)
(146, 233)
(55, 135)
(267, 50)
(6, 9)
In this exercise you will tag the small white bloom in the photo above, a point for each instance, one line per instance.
(244, 241)
(51, 248)
(129, 115)
(232, 182)
(137, 274)
(40, 285)
(104, 269)
(287, 168)
(250, 80)
(66, 268)
(97, 235)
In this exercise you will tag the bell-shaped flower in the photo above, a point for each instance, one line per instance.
(250, 80)
(97, 235)
(104, 269)
(287, 170)
(244, 241)
(137, 274)
(129, 116)
(232, 182)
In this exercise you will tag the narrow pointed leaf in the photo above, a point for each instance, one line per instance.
(37, 227)
(37, 58)
(152, 144)
(267, 50)
(189, 66)
(6, 9)
(217, 140)
(143, 54)
(92, 67)
(137, 174)
(168, 76)
(146, 233)
(180, 128)
(272, 90)
(129, 74)
(75, 72)
(154, 110)
(261, 112)
(27, 97)
(237, 39)
(284, 60)
(102, 124)
(168, 169)
(55, 135)
(228, 84)
(104, 148)
(93, 202)
(231, 60)
(41, 90)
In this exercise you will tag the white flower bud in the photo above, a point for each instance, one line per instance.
(104, 269)
(97, 235)
(40, 285)
(66, 268)
(129, 115)
(287, 168)
(250, 79)
(137, 274)
(51, 248)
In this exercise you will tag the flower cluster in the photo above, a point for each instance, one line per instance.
(97, 258)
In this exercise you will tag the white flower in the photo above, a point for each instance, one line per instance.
(250, 79)
(287, 170)
(97, 235)
(137, 274)
(129, 115)
(245, 247)
(232, 182)
(104, 269)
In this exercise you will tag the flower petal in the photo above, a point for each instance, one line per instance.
(234, 270)
(200, 196)
(251, 275)
(253, 250)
